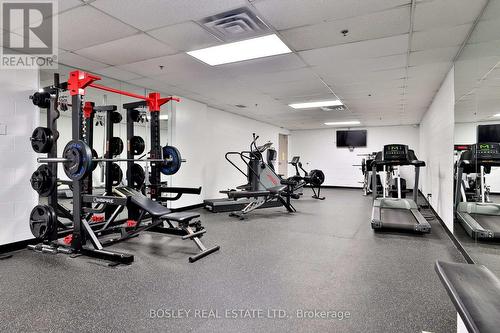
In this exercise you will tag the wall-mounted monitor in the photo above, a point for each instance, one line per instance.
(488, 133)
(354, 138)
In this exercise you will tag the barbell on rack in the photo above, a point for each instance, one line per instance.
(77, 160)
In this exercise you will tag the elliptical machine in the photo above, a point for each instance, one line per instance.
(315, 178)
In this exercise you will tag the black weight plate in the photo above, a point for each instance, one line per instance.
(116, 174)
(81, 160)
(42, 221)
(42, 140)
(172, 166)
(41, 99)
(135, 116)
(138, 176)
(137, 145)
(116, 117)
(116, 146)
(42, 181)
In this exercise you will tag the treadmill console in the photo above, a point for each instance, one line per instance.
(395, 152)
(486, 152)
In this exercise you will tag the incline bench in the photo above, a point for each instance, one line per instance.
(160, 214)
(475, 292)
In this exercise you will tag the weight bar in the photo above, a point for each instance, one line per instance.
(67, 160)
(78, 160)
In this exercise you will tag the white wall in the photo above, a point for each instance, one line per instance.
(19, 116)
(203, 136)
(318, 150)
(466, 133)
(436, 142)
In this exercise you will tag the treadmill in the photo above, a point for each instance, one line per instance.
(397, 213)
(480, 219)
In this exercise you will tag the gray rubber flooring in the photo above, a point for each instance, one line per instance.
(325, 257)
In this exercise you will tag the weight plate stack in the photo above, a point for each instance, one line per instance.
(42, 181)
(43, 220)
(42, 140)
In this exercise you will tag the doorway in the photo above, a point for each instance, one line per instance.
(283, 155)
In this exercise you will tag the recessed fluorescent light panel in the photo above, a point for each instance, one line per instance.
(343, 123)
(243, 50)
(318, 104)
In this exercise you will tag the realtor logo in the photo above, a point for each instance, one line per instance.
(29, 36)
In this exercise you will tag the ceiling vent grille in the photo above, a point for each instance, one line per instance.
(236, 24)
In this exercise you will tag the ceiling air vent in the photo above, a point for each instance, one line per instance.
(334, 108)
(236, 24)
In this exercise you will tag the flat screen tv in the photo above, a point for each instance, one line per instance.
(354, 138)
(488, 133)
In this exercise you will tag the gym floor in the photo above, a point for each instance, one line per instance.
(325, 257)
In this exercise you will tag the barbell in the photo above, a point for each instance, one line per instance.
(77, 160)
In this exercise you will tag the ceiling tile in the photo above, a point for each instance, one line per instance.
(365, 49)
(118, 73)
(485, 31)
(428, 56)
(272, 64)
(446, 13)
(443, 37)
(75, 60)
(151, 14)
(284, 14)
(127, 50)
(89, 30)
(171, 64)
(187, 36)
(395, 22)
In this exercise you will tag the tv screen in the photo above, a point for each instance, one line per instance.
(488, 133)
(356, 138)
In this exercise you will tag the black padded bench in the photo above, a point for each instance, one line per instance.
(160, 213)
(475, 292)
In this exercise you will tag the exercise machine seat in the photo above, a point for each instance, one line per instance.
(475, 292)
(180, 217)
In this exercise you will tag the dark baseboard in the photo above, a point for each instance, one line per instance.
(16, 245)
(455, 241)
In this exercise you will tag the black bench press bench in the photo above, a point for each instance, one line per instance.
(160, 214)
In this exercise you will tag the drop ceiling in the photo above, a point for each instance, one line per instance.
(387, 69)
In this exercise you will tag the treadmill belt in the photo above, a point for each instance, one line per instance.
(488, 222)
(390, 215)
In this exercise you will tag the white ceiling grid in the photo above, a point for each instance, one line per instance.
(129, 40)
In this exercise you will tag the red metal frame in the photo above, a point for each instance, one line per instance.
(79, 80)
(88, 108)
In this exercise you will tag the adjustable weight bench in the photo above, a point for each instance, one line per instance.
(475, 292)
(160, 214)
